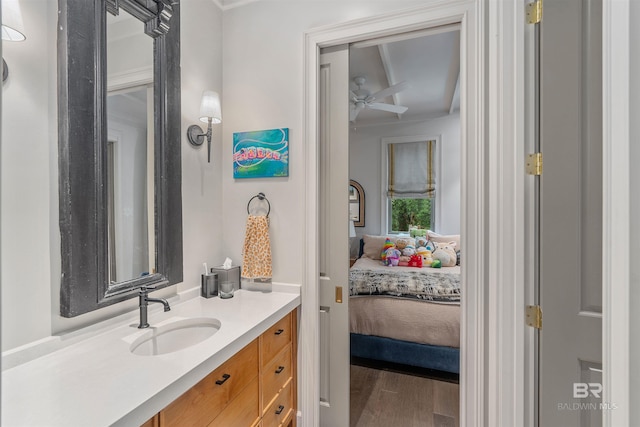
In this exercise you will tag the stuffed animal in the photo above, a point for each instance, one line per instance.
(403, 242)
(425, 253)
(413, 232)
(388, 244)
(415, 261)
(430, 245)
(392, 257)
(421, 241)
(446, 253)
(409, 250)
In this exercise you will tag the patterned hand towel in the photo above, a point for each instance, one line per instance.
(256, 253)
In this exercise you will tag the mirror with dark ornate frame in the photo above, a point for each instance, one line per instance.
(82, 151)
(356, 203)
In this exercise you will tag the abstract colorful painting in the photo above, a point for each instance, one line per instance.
(261, 154)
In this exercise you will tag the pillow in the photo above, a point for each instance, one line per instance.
(373, 245)
(438, 238)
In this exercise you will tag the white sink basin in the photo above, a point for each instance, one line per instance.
(174, 336)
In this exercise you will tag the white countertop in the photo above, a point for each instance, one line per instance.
(99, 382)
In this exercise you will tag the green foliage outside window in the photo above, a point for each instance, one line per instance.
(415, 212)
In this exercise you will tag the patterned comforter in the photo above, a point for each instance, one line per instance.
(370, 277)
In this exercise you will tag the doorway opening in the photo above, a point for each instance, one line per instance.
(405, 153)
(326, 356)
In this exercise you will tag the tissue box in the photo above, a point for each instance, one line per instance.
(228, 275)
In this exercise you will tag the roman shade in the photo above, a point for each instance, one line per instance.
(411, 170)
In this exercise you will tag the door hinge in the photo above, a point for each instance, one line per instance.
(534, 164)
(534, 12)
(534, 316)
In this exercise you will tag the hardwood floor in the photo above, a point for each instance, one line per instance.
(385, 398)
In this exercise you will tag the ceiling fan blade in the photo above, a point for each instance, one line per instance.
(354, 111)
(388, 91)
(398, 109)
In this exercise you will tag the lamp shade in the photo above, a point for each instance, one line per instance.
(352, 229)
(210, 107)
(12, 28)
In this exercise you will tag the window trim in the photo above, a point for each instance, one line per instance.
(385, 205)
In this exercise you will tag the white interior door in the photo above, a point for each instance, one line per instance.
(334, 237)
(571, 214)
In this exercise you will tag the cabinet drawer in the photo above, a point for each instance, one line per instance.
(275, 375)
(152, 422)
(275, 339)
(280, 410)
(243, 411)
(206, 400)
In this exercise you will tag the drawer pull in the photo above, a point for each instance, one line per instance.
(279, 410)
(279, 331)
(280, 369)
(225, 377)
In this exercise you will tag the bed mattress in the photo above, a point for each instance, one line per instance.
(404, 319)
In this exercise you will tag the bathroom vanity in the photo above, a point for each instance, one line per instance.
(255, 387)
(242, 375)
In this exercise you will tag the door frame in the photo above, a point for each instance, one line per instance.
(493, 334)
(502, 58)
(615, 214)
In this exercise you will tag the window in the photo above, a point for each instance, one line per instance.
(409, 184)
(406, 213)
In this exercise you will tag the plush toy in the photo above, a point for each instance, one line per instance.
(421, 241)
(409, 250)
(425, 253)
(392, 257)
(446, 253)
(436, 263)
(417, 232)
(415, 261)
(430, 245)
(403, 242)
(388, 244)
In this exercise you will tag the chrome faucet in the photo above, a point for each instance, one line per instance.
(144, 303)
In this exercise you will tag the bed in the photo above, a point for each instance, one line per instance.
(404, 315)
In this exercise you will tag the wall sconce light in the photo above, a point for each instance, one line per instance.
(12, 28)
(209, 113)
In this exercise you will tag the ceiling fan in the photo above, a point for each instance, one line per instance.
(362, 98)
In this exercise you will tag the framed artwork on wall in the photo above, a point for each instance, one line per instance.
(261, 154)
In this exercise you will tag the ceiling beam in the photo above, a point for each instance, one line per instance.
(453, 79)
(455, 95)
(388, 71)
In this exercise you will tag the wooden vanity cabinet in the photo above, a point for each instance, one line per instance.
(254, 388)
(205, 401)
(277, 373)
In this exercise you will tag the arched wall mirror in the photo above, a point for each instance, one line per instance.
(119, 150)
(356, 203)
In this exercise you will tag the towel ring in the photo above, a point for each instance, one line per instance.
(260, 196)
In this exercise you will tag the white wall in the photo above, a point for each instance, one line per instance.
(29, 185)
(263, 85)
(365, 166)
(29, 125)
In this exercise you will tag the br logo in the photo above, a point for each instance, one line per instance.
(582, 390)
